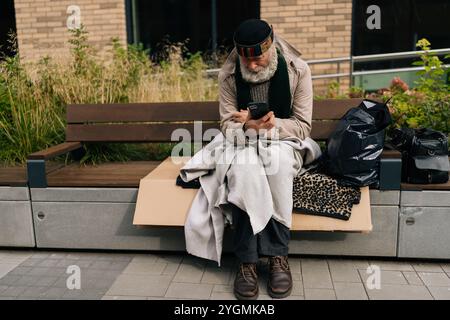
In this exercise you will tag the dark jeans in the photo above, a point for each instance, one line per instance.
(273, 240)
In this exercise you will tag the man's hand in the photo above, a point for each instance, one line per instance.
(264, 123)
(241, 116)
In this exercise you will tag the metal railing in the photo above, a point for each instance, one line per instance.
(365, 58)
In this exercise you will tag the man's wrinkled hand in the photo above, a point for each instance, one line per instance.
(264, 123)
(241, 116)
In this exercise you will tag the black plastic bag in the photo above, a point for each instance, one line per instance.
(353, 150)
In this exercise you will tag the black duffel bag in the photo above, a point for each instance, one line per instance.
(353, 150)
(424, 155)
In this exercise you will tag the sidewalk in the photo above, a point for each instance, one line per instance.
(42, 275)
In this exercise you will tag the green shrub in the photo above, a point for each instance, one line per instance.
(29, 118)
(428, 103)
(33, 95)
(425, 105)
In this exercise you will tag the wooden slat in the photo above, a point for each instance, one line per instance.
(161, 132)
(16, 176)
(326, 109)
(391, 154)
(55, 150)
(13, 176)
(143, 112)
(321, 130)
(420, 187)
(333, 109)
(133, 132)
(111, 174)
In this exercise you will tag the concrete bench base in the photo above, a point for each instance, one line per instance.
(16, 225)
(101, 218)
(382, 241)
(424, 225)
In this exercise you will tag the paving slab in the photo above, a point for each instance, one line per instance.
(292, 297)
(445, 267)
(140, 285)
(13, 291)
(171, 269)
(297, 288)
(413, 278)
(440, 293)
(143, 268)
(427, 267)
(319, 294)
(38, 274)
(342, 271)
(392, 265)
(5, 268)
(435, 279)
(124, 298)
(316, 274)
(215, 275)
(222, 296)
(350, 291)
(399, 292)
(189, 290)
(295, 265)
(34, 292)
(9, 280)
(222, 288)
(386, 277)
(14, 257)
(349, 262)
(190, 271)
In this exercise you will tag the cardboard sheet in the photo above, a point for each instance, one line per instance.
(161, 202)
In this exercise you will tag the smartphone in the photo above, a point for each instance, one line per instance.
(258, 109)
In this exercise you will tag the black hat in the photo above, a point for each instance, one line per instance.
(253, 37)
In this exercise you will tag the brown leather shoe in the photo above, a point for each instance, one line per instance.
(279, 284)
(246, 282)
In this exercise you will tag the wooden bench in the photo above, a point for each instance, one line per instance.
(154, 122)
(92, 206)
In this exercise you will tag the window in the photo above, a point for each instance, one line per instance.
(7, 24)
(403, 23)
(150, 22)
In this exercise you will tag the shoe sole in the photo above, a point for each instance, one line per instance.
(240, 297)
(279, 295)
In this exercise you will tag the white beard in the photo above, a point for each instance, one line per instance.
(265, 73)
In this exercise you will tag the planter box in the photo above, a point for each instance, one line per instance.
(16, 224)
(382, 241)
(101, 218)
(424, 224)
(95, 218)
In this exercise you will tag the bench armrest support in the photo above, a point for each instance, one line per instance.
(55, 151)
(36, 169)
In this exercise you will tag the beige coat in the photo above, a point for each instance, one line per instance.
(299, 125)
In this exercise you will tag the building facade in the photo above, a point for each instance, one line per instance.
(319, 29)
(42, 25)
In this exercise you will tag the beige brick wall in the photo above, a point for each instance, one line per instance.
(42, 25)
(320, 29)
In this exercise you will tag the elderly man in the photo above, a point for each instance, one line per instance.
(264, 68)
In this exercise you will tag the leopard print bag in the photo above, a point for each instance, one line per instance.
(319, 194)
